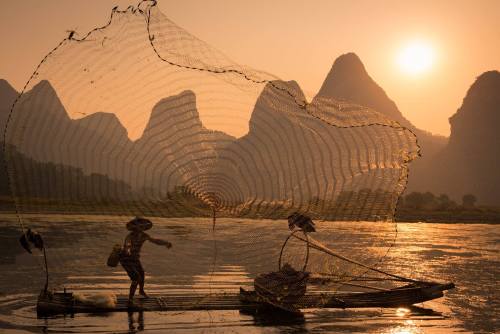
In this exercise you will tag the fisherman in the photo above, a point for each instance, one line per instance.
(130, 254)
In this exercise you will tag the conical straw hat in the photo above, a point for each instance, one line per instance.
(139, 224)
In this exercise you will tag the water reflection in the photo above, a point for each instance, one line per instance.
(276, 317)
(135, 325)
(79, 257)
(399, 330)
(402, 312)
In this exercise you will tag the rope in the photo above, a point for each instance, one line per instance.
(283, 248)
(319, 246)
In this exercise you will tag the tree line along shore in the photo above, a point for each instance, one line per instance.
(413, 207)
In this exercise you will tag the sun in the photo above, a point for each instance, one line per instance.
(416, 58)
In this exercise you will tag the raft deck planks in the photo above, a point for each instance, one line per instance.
(246, 300)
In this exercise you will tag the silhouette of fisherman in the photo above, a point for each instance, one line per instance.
(130, 254)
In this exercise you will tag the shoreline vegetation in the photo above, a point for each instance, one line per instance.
(412, 208)
(426, 207)
(58, 189)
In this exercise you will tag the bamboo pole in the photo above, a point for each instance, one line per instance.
(318, 246)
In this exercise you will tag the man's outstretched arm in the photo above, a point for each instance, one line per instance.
(159, 242)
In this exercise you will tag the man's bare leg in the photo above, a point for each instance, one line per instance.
(141, 287)
(131, 294)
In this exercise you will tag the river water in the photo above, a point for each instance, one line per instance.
(206, 261)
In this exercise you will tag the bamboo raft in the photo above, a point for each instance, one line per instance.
(264, 297)
(50, 303)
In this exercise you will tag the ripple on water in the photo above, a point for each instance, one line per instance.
(422, 250)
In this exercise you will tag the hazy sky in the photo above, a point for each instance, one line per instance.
(298, 39)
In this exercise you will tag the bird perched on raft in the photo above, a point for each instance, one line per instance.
(302, 222)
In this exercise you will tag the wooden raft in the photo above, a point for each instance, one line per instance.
(64, 303)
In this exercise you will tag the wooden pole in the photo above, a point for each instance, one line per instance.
(46, 270)
(214, 217)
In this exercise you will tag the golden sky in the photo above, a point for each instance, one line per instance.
(299, 40)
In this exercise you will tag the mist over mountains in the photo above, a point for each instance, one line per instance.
(99, 144)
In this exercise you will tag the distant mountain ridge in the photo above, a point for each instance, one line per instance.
(467, 162)
(471, 161)
(284, 159)
(43, 180)
(175, 145)
(294, 157)
(41, 128)
(169, 149)
(349, 80)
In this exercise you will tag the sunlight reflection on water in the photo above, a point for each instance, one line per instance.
(402, 312)
(465, 254)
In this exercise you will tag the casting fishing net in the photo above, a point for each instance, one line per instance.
(141, 118)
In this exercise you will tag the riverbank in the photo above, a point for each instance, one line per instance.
(477, 216)
(183, 208)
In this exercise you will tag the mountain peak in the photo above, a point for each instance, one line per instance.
(470, 162)
(46, 100)
(348, 80)
(276, 100)
(7, 94)
(42, 85)
(286, 91)
(171, 111)
(480, 111)
(349, 64)
(487, 85)
(6, 86)
(7, 97)
(45, 93)
(106, 124)
(492, 75)
(184, 98)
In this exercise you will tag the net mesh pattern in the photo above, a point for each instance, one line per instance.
(139, 117)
